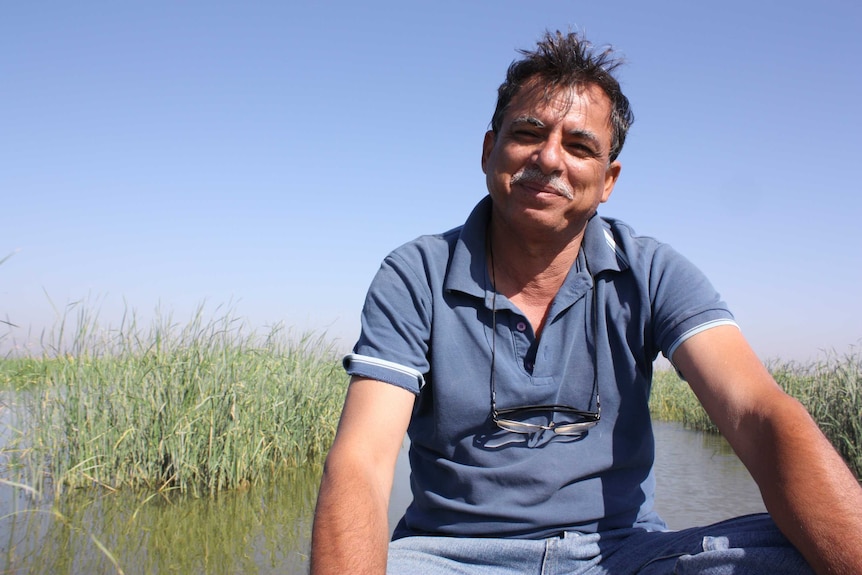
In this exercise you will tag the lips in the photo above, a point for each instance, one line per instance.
(547, 188)
(539, 183)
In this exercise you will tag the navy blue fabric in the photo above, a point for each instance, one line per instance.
(429, 312)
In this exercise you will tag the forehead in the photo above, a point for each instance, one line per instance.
(586, 105)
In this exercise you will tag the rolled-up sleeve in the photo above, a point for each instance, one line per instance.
(396, 323)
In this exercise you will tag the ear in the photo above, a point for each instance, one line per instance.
(612, 174)
(487, 147)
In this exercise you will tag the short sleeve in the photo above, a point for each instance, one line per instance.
(684, 301)
(396, 323)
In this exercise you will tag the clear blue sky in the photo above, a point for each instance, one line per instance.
(267, 155)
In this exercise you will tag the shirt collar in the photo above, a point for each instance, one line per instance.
(601, 249)
(469, 274)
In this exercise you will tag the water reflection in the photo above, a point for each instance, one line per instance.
(699, 480)
(266, 530)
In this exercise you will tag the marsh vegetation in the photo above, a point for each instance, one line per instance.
(831, 390)
(198, 408)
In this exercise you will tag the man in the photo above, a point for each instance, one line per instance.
(516, 351)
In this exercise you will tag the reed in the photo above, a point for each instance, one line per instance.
(197, 407)
(831, 390)
(671, 399)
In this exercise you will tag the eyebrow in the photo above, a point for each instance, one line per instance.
(537, 123)
(532, 120)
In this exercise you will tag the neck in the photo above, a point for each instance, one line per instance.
(529, 267)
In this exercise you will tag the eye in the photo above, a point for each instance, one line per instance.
(582, 150)
(526, 134)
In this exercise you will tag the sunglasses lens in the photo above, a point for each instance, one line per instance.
(517, 426)
(574, 428)
(559, 427)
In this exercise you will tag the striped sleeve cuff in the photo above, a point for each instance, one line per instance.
(694, 331)
(382, 370)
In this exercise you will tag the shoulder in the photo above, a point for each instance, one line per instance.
(426, 252)
(639, 252)
(437, 250)
(429, 245)
(656, 266)
(625, 232)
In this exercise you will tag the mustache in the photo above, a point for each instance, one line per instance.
(533, 175)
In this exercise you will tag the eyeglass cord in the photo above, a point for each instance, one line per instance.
(490, 249)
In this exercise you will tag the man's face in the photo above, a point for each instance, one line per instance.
(547, 170)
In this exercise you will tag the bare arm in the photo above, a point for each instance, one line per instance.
(351, 530)
(811, 494)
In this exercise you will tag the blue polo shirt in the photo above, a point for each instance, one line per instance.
(428, 327)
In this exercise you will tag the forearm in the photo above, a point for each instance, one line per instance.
(351, 530)
(807, 488)
(809, 491)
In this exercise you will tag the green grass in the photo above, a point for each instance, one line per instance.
(198, 408)
(208, 405)
(830, 389)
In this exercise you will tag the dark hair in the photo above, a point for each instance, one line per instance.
(565, 61)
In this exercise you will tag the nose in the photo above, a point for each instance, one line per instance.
(548, 156)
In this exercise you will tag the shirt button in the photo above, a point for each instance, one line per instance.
(521, 326)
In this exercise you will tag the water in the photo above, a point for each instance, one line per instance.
(266, 530)
(699, 480)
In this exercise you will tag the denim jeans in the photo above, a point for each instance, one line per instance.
(750, 545)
